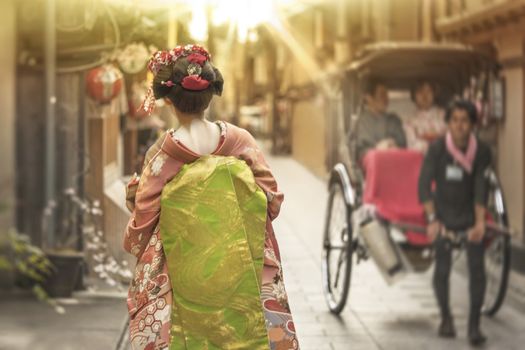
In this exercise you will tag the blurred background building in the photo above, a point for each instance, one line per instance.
(282, 61)
(7, 112)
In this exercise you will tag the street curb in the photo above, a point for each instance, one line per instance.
(123, 340)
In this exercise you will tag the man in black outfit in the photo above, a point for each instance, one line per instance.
(457, 163)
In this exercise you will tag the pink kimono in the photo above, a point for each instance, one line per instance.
(424, 127)
(149, 297)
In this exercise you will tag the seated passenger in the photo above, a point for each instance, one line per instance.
(428, 121)
(376, 128)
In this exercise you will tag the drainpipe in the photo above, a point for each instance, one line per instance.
(50, 100)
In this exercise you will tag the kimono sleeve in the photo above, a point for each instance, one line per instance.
(253, 156)
(131, 187)
(146, 210)
(139, 229)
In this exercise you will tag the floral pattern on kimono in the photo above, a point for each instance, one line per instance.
(151, 325)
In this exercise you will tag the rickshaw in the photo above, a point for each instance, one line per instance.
(455, 68)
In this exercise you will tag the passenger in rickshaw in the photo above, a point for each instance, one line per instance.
(456, 163)
(376, 128)
(428, 120)
(376, 137)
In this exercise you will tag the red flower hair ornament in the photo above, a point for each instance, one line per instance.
(195, 83)
(195, 54)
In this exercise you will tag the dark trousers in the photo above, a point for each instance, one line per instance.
(477, 279)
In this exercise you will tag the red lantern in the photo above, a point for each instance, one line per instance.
(104, 83)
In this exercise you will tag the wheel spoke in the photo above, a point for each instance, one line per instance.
(337, 247)
(342, 255)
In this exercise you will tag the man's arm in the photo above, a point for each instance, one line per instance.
(398, 132)
(480, 182)
(362, 138)
(430, 210)
(427, 175)
(480, 213)
(477, 232)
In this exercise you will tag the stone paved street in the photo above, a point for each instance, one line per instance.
(403, 316)
(92, 321)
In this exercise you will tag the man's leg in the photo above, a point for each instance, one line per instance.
(443, 255)
(477, 285)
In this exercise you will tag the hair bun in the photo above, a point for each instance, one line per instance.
(218, 82)
(162, 80)
(186, 76)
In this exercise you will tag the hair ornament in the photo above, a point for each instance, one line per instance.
(194, 83)
(197, 56)
(148, 105)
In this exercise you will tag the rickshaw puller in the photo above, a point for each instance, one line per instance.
(457, 163)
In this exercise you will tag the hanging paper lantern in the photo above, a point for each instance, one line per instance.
(104, 83)
(134, 57)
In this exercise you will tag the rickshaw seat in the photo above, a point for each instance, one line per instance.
(391, 186)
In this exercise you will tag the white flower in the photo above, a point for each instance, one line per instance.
(157, 164)
(153, 240)
(126, 274)
(279, 291)
(69, 191)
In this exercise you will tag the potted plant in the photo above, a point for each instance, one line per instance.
(63, 249)
(25, 266)
(80, 242)
(64, 277)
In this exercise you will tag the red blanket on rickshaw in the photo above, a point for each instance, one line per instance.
(391, 186)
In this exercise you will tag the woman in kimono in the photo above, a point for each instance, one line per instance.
(208, 272)
(428, 121)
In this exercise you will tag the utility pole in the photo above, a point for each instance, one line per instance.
(50, 91)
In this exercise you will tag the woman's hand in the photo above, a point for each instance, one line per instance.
(476, 233)
(433, 230)
(386, 144)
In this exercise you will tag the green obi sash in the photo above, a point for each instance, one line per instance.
(212, 226)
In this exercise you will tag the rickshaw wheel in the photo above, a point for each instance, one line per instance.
(337, 249)
(497, 252)
(497, 265)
